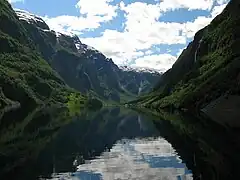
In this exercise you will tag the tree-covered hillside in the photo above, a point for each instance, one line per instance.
(25, 77)
(207, 69)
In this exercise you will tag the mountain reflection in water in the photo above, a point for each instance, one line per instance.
(115, 144)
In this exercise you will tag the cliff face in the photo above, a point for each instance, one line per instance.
(207, 69)
(84, 68)
(24, 75)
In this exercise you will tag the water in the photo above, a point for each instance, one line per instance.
(52, 143)
(146, 158)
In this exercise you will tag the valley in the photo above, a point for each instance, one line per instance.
(68, 111)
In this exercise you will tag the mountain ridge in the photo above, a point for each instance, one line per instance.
(83, 67)
(38, 21)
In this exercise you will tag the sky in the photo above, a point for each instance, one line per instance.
(140, 33)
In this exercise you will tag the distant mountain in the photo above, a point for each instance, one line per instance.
(139, 69)
(138, 80)
(83, 67)
(208, 69)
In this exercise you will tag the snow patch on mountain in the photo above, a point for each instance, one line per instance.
(46, 30)
(33, 19)
(78, 46)
(28, 17)
(58, 34)
(83, 48)
(139, 69)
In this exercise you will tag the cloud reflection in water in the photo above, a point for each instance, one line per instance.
(138, 159)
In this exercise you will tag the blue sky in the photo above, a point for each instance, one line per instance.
(142, 33)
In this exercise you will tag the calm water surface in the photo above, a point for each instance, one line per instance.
(115, 144)
(145, 158)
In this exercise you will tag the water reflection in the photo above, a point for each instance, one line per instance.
(140, 159)
(134, 149)
(115, 143)
(146, 158)
(210, 150)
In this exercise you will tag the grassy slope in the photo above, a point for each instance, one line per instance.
(216, 72)
(24, 76)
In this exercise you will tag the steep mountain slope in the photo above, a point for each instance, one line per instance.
(24, 76)
(207, 69)
(82, 67)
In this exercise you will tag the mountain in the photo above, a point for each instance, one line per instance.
(83, 67)
(138, 80)
(207, 71)
(26, 79)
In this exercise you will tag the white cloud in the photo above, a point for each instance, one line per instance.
(100, 8)
(221, 2)
(92, 14)
(14, 1)
(161, 62)
(218, 9)
(142, 23)
(143, 28)
(167, 5)
(200, 22)
(180, 52)
(122, 47)
(142, 31)
(72, 24)
(190, 28)
(149, 13)
(148, 52)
